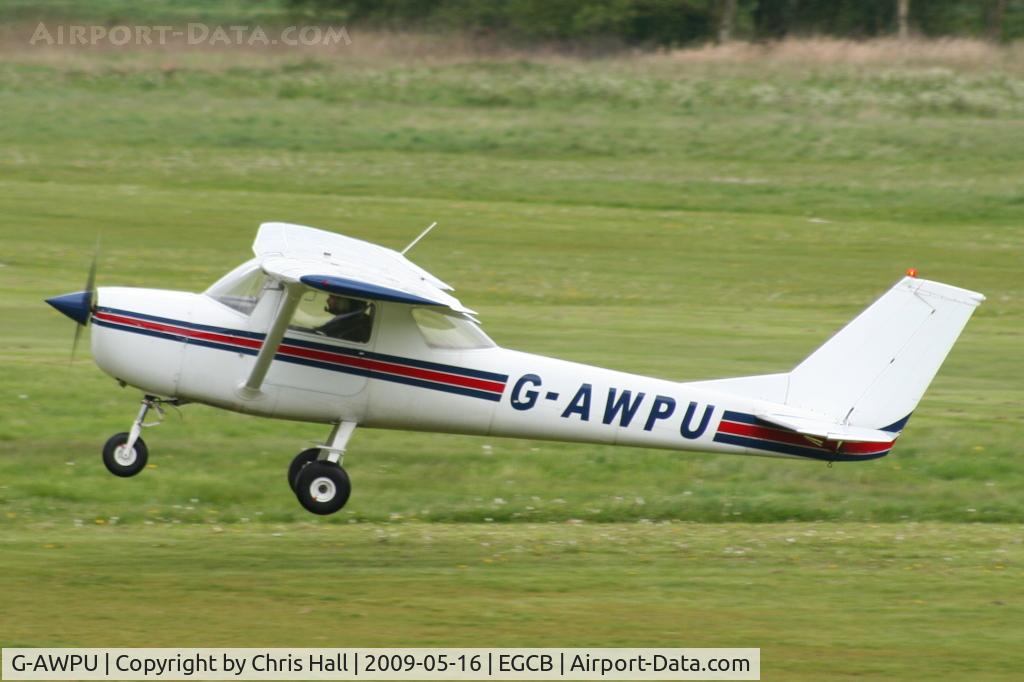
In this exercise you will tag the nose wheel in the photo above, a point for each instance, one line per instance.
(122, 459)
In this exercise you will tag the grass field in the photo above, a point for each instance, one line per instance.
(682, 215)
(903, 601)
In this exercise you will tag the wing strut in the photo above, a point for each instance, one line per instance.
(250, 390)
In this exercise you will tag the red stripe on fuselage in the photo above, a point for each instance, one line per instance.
(790, 438)
(312, 354)
(180, 331)
(392, 368)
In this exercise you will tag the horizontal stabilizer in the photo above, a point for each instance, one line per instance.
(820, 428)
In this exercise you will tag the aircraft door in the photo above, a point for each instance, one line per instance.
(327, 345)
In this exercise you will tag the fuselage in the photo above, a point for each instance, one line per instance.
(192, 347)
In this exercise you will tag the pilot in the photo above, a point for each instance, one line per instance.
(351, 319)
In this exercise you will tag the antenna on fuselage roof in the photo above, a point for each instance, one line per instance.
(423, 234)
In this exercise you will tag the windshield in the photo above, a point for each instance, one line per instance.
(240, 289)
(449, 330)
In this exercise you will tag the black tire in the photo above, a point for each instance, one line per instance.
(322, 488)
(299, 463)
(125, 466)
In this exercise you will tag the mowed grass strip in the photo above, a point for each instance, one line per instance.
(911, 601)
(680, 296)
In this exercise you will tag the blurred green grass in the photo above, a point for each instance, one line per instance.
(652, 213)
(822, 601)
(666, 218)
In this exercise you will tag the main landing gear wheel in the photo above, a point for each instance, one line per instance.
(299, 463)
(322, 487)
(124, 461)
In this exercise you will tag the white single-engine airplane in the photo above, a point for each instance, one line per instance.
(323, 328)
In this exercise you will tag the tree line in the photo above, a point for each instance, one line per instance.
(681, 22)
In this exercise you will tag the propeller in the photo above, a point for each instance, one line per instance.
(80, 305)
(90, 289)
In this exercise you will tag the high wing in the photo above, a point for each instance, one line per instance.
(332, 262)
(304, 257)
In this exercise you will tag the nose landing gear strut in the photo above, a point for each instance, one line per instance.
(125, 454)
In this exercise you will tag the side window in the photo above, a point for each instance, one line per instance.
(338, 317)
(245, 293)
(449, 330)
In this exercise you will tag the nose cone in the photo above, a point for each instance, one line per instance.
(77, 306)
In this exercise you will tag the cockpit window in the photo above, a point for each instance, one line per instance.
(241, 294)
(449, 330)
(338, 317)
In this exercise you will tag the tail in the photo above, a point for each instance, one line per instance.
(873, 372)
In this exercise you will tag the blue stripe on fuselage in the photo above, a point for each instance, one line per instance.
(302, 343)
(345, 369)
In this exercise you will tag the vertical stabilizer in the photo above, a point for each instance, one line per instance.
(874, 371)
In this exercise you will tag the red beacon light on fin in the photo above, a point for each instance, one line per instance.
(911, 272)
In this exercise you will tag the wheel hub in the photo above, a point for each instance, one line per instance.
(322, 489)
(125, 456)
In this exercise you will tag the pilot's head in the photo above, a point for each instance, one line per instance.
(339, 305)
